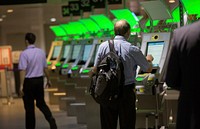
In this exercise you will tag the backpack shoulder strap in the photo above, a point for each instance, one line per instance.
(111, 46)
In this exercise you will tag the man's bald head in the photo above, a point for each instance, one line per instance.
(122, 27)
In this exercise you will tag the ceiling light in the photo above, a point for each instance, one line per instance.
(1, 19)
(3, 16)
(9, 10)
(171, 1)
(53, 19)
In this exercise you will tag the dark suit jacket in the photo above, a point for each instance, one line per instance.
(183, 73)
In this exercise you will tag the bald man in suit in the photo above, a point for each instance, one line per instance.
(182, 73)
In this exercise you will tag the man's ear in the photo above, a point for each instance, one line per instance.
(128, 33)
(26, 42)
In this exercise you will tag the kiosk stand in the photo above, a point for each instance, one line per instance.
(5, 74)
(149, 86)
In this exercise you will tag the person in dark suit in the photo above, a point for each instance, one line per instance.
(182, 73)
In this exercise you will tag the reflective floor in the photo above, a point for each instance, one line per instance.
(12, 116)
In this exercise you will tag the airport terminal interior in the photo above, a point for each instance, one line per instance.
(70, 32)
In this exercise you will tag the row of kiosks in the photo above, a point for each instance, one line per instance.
(91, 57)
(75, 56)
(58, 54)
(81, 59)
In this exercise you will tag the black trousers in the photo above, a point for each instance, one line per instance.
(33, 90)
(124, 109)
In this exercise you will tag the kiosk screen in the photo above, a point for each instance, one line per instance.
(155, 49)
(66, 52)
(56, 52)
(86, 53)
(76, 51)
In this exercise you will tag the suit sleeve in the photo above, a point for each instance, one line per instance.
(172, 76)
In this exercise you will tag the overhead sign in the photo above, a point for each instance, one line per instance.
(86, 5)
(98, 3)
(65, 11)
(114, 1)
(13, 2)
(74, 8)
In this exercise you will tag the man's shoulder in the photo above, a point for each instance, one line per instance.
(134, 48)
(36, 49)
(40, 49)
(103, 44)
(24, 51)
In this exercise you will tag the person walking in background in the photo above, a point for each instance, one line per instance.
(182, 73)
(32, 66)
(132, 57)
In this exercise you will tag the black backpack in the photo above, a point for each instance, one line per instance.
(106, 85)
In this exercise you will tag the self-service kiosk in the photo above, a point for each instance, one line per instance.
(156, 44)
(54, 54)
(90, 61)
(149, 86)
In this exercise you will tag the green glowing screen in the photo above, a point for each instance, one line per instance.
(175, 15)
(103, 22)
(90, 25)
(76, 30)
(126, 14)
(191, 6)
(58, 31)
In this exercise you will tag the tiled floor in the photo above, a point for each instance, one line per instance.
(12, 117)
